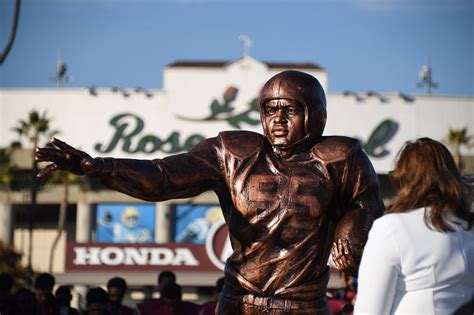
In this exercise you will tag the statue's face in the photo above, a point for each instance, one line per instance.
(284, 122)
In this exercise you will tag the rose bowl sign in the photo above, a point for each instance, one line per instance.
(146, 257)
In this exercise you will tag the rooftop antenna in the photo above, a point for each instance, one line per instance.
(427, 77)
(60, 77)
(247, 42)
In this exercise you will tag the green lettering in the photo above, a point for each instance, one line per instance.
(192, 141)
(172, 145)
(121, 127)
(127, 126)
(149, 144)
(382, 134)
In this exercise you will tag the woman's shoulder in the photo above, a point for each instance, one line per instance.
(384, 226)
(391, 222)
(408, 215)
(389, 219)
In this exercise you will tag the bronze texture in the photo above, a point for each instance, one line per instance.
(288, 197)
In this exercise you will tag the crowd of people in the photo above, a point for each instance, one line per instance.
(42, 300)
(341, 300)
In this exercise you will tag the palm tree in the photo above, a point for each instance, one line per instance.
(456, 139)
(6, 168)
(33, 129)
(65, 179)
(10, 262)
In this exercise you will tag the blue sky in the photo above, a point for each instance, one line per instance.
(364, 45)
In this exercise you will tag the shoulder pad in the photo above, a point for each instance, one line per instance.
(335, 148)
(241, 143)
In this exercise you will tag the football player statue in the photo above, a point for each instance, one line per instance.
(290, 197)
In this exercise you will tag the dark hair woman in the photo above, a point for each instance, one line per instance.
(419, 258)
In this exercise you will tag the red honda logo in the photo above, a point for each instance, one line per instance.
(218, 245)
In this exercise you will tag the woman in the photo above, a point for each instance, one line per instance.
(419, 258)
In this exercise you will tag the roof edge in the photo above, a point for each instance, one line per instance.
(224, 63)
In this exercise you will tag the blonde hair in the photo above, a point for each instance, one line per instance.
(425, 175)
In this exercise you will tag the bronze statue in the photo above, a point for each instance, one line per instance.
(288, 197)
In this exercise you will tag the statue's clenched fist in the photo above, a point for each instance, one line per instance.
(341, 255)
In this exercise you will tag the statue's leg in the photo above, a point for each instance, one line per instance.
(227, 306)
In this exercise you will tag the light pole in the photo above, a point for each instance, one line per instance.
(60, 76)
(426, 77)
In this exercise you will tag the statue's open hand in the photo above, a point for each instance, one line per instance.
(65, 158)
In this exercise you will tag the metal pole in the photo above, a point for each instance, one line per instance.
(11, 38)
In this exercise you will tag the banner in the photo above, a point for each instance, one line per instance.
(209, 256)
(125, 223)
(193, 222)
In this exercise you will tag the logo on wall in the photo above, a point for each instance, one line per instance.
(224, 111)
(380, 136)
(218, 247)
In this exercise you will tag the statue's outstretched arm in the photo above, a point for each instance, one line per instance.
(177, 176)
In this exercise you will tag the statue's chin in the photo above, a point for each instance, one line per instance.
(280, 143)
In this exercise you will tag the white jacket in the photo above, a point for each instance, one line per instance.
(408, 268)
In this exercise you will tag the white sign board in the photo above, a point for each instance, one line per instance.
(199, 103)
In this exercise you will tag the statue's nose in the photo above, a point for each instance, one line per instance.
(280, 116)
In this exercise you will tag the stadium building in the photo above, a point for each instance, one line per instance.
(110, 234)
